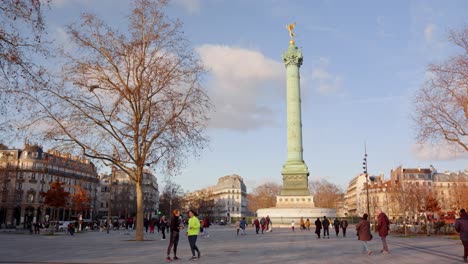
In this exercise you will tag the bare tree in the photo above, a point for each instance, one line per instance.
(130, 100)
(22, 32)
(326, 194)
(171, 197)
(441, 105)
(263, 196)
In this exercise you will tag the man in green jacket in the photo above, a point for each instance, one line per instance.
(192, 233)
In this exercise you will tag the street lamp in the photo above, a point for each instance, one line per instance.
(364, 163)
(109, 207)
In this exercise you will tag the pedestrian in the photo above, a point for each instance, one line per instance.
(326, 225)
(302, 224)
(336, 224)
(36, 228)
(206, 225)
(202, 230)
(267, 222)
(152, 223)
(71, 229)
(344, 225)
(307, 224)
(383, 226)
(263, 223)
(242, 225)
(174, 235)
(318, 227)
(461, 225)
(146, 224)
(192, 232)
(257, 225)
(363, 233)
(238, 227)
(162, 225)
(292, 225)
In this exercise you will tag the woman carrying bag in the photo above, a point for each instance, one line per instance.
(363, 233)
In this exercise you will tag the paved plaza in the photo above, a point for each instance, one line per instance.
(223, 246)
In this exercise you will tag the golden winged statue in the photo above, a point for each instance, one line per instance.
(290, 28)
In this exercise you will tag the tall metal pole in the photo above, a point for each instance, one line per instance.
(109, 208)
(367, 180)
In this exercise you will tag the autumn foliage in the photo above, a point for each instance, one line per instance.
(56, 196)
(80, 199)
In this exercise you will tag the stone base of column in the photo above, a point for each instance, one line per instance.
(295, 181)
(297, 201)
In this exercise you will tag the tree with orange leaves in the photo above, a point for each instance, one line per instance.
(56, 197)
(80, 200)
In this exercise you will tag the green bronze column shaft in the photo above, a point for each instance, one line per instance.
(295, 171)
(293, 60)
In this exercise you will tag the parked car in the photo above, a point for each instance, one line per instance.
(63, 226)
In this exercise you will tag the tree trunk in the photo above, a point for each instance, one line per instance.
(139, 217)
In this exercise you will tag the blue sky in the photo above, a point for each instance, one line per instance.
(363, 62)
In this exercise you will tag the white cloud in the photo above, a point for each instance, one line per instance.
(429, 152)
(244, 86)
(190, 6)
(327, 83)
(429, 32)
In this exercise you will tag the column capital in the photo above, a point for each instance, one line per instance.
(292, 56)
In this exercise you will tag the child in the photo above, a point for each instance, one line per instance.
(292, 225)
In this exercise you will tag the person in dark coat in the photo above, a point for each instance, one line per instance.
(326, 225)
(163, 224)
(383, 225)
(344, 225)
(336, 224)
(461, 225)
(146, 224)
(174, 235)
(318, 227)
(257, 225)
(363, 233)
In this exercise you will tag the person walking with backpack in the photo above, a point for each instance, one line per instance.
(326, 225)
(192, 232)
(383, 226)
(242, 225)
(336, 224)
(461, 225)
(263, 223)
(363, 233)
(344, 225)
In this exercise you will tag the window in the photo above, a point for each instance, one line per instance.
(33, 176)
(42, 177)
(20, 186)
(102, 204)
(42, 187)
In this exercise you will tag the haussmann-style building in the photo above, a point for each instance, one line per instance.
(25, 173)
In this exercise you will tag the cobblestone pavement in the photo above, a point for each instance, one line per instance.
(223, 246)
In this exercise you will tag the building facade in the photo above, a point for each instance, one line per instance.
(228, 198)
(123, 193)
(27, 172)
(411, 193)
(354, 198)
